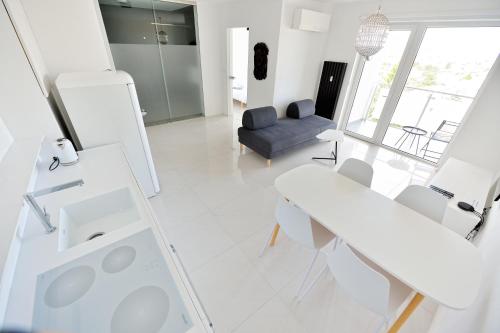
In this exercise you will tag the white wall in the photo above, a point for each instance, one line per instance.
(6, 139)
(346, 20)
(214, 18)
(70, 35)
(26, 115)
(295, 57)
(478, 140)
(23, 109)
(211, 42)
(30, 45)
(300, 57)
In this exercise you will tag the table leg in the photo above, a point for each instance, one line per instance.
(407, 136)
(336, 152)
(418, 144)
(404, 133)
(275, 234)
(412, 306)
(412, 141)
(333, 155)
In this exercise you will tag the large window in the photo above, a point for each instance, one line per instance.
(374, 84)
(413, 97)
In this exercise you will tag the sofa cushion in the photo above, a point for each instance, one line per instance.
(286, 133)
(258, 118)
(301, 109)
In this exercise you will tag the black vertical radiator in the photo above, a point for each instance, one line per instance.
(329, 88)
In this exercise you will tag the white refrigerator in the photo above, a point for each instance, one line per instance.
(100, 108)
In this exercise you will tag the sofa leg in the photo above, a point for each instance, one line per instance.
(242, 148)
(268, 163)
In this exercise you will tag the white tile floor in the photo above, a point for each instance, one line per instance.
(216, 207)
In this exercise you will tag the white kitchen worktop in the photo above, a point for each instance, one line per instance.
(103, 170)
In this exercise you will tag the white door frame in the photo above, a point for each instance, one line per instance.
(229, 69)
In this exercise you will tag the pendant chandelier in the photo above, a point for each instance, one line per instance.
(372, 34)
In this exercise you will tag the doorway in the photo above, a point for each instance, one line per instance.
(238, 40)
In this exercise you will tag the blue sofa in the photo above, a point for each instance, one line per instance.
(262, 132)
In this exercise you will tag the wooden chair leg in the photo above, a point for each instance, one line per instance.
(242, 148)
(275, 234)
(417, 299)
(268, 163)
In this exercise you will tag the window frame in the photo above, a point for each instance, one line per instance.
(417, 34)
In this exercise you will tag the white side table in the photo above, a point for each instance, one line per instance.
(336, 136)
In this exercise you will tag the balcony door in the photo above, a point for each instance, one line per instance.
(375, 80)
(414, 96)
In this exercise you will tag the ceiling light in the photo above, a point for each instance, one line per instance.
(372, 34)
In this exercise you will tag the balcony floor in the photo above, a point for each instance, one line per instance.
(367, 128)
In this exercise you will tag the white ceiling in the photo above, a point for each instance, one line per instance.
(148, 4)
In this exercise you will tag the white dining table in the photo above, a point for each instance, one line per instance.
(431, 259)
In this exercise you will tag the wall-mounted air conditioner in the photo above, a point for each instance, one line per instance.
(310, 20)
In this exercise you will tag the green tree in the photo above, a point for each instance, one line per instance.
(468, 77)
(390, 76)
(429, 76)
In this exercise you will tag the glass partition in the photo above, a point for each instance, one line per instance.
(155, 42)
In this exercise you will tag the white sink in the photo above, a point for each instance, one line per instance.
(86, 220)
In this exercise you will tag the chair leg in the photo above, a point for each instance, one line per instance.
(242, 148)
(403, 317)
(271, 239)
(335, 242)
(308, 272)
(276, 229)
(426, 148)
(313, 283)
(268, 241)
(383, 326)
(268, 163)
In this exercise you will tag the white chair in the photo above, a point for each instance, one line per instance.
(299, 227)
(425, 201)
(367, 284)
(357, 170)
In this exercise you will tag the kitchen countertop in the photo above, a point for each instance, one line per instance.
(103, 169)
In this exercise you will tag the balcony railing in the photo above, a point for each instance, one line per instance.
(426, 109)
(430, 97)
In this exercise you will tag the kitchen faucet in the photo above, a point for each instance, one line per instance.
(40, 213)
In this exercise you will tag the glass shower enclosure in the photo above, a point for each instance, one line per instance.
(155, 42)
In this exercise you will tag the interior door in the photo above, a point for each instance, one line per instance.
(175, 25)
(133, 41)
